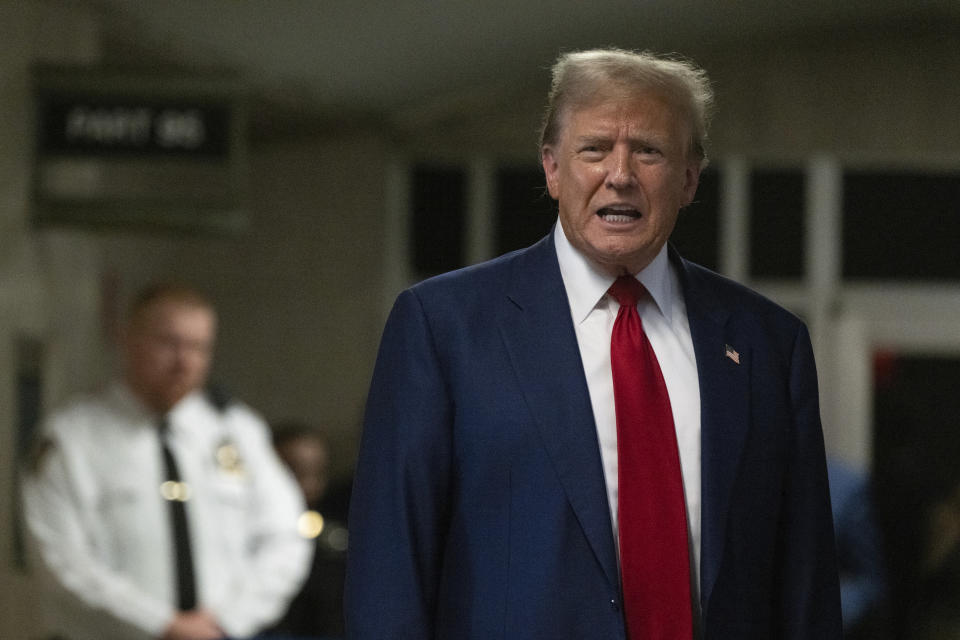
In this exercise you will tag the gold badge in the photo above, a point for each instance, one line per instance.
(228, 458)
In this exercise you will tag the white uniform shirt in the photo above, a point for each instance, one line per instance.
(102, 530)
(665, 323)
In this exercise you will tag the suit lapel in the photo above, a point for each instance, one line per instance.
(539, 336)
(724, 412)
(538, 332)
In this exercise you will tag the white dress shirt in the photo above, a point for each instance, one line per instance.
(98, 521)
(665, 322)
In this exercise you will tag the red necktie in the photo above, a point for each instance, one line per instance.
(654, 559)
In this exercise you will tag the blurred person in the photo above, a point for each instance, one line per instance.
(159, 509)
(593, 437)
(317, 610)
(863, 581)
(936, 611)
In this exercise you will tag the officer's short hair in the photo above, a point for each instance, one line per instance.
(167, 291)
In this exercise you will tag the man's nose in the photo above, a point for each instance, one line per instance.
(620, 172)
(185, 352)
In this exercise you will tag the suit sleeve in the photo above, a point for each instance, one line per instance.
(399, 507)
(810, 594)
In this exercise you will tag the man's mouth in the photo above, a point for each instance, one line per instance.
(619, 214)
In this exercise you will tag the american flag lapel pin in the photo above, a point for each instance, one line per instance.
(731, 353)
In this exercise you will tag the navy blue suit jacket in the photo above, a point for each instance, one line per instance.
(479, 508)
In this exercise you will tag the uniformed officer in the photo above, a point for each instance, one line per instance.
(158, 510)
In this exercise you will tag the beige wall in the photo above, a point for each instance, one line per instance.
(33, 271)
(885, 94)
(888, 95)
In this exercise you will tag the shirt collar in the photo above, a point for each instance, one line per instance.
(135, 407)
(586, 284)
(128, 401)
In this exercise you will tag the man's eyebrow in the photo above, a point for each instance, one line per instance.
(592, 138)
(649, 136)
(643, 138)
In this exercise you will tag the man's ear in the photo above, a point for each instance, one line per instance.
(691, 178)
(551, 170)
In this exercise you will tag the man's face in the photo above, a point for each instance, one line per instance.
(308, 460)
(621, 171)
(167, 351)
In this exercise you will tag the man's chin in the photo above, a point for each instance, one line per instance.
(618, 261)
(169, 399)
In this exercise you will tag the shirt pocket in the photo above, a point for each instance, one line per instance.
(127, 517)
(229, 499)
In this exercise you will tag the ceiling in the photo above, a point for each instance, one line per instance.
(391, 57)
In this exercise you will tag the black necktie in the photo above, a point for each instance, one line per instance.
(177, 493)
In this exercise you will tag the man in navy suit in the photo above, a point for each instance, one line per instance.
(486, 496)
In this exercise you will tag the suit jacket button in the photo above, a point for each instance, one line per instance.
(615, 605)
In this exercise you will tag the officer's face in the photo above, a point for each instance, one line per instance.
(167, 352)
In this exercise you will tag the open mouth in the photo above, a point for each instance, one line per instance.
(619, 214)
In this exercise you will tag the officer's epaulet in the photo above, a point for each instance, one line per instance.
(39, 452)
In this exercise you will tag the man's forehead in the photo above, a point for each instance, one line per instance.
(603, 128)
(176, 321)
(172, 309)
(646, 115)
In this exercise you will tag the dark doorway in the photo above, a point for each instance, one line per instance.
(917, 482)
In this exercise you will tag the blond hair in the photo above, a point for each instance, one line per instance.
(177, 292)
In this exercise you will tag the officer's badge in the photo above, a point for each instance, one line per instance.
(228, 458)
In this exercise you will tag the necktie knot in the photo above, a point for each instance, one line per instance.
(627, 290)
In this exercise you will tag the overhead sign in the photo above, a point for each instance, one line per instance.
(74, 124)
(139, 150)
